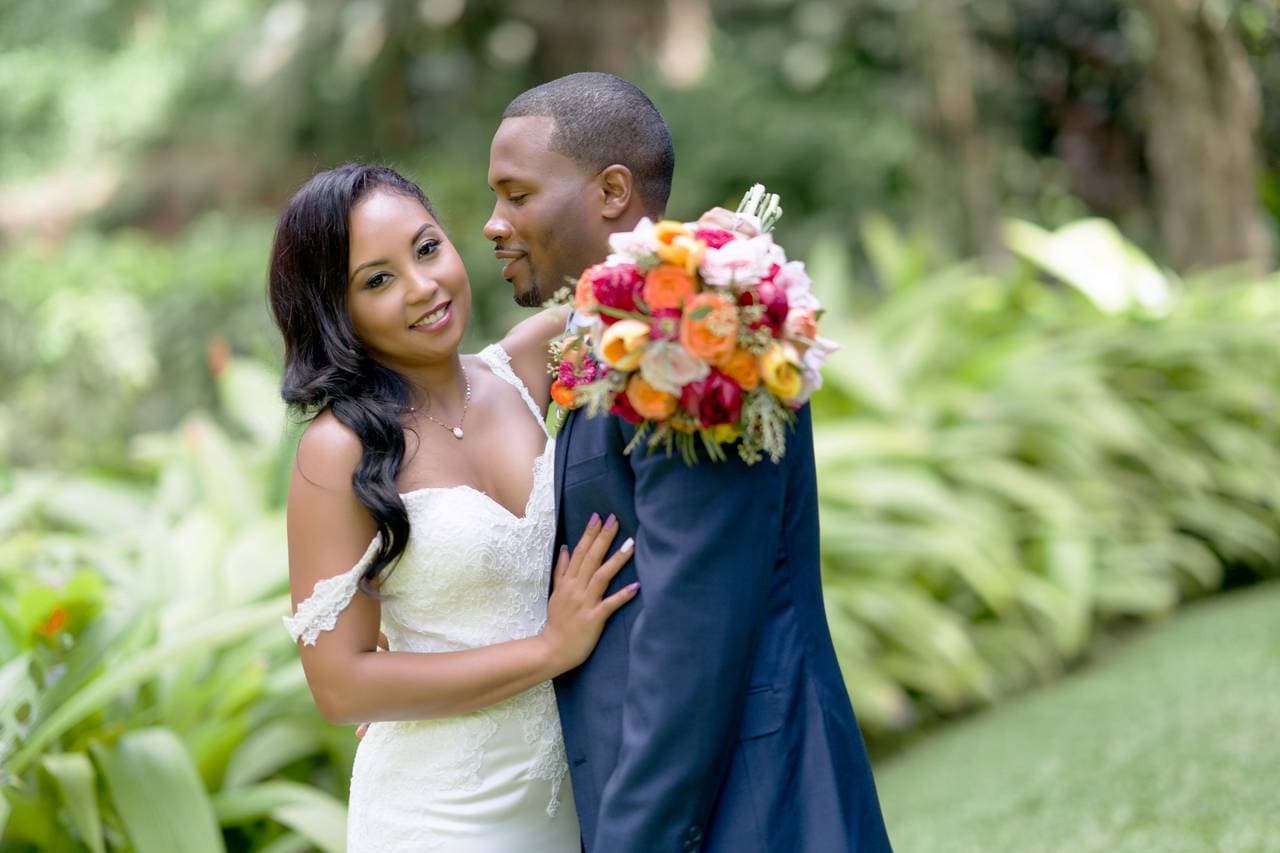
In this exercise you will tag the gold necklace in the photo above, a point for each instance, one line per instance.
(466, 401)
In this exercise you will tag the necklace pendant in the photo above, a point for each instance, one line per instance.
(457, 433)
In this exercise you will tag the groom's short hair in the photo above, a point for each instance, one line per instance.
(600, 120)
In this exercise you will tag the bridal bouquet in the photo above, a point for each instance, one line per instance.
(698, 332)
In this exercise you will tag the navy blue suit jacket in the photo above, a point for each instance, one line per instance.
(712, 714)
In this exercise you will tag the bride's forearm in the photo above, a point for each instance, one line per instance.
(382, 686)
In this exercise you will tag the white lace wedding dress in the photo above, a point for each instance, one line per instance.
(472, 574)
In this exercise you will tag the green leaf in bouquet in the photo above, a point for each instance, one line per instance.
(157, 793)
(75, 778)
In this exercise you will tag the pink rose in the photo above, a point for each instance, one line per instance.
(714, 400)
(801, 323)
(740, 263)
(714, 237)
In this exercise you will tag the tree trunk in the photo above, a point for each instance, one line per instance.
(1203, 111)
(939, 36)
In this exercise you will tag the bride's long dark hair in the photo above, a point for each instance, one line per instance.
(325, 364)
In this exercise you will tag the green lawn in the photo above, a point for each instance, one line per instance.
(1171, 743)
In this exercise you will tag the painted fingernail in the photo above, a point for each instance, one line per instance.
(594, 520)
(611, 522)
(564, 549)
(635, 587)
(628, 545)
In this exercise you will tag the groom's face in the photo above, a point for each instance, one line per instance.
(546, 224)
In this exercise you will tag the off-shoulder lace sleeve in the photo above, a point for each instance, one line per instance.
(328, 599)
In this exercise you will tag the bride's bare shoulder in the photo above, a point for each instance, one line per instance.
(328, 452)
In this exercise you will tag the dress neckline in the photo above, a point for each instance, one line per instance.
(540, 467)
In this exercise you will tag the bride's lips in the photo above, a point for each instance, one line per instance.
(438, 324)
(512, 258)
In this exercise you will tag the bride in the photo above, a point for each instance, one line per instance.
(421, 503)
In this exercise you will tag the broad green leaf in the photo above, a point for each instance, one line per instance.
(158, 795)
(268, 749)
(73, 772)
(319, 817)
(198, 640)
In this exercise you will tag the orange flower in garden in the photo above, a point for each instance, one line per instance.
(668, 286)
(56, 622)
(678, 246)
(648, 401)
(710, 326)
(742, 367)
(562, 394)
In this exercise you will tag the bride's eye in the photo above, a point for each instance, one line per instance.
(429, 247)
(376, 281)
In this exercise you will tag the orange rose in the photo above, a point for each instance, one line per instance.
(709, 328)
(584, 298)
(668, 286)
(562, 394)
(648, 401)
(740, 366)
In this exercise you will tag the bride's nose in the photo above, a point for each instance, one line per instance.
(422, 286)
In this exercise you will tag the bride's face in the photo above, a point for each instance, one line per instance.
(407, 288)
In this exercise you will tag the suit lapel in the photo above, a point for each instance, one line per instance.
(562, 457)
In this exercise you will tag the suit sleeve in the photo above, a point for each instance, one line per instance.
(706, 542)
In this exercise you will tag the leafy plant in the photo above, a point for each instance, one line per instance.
(1009, 460)
(151, 698)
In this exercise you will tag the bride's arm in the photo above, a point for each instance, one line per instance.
(329, 530)
(526, 343)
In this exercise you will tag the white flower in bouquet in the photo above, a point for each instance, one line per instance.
(668, 366)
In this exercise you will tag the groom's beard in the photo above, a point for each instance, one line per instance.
(530, 298)
(535, 295)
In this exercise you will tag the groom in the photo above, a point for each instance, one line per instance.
(712, 715)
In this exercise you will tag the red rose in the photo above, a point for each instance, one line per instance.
(615, 287)
(714, 400)
(714, 237)
(622, 408)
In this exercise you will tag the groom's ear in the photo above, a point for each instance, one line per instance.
(617, 189)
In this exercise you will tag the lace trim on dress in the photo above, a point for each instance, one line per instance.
(499, 361)
(328, 599)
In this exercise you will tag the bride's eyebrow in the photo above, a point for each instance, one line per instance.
(417, 235)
